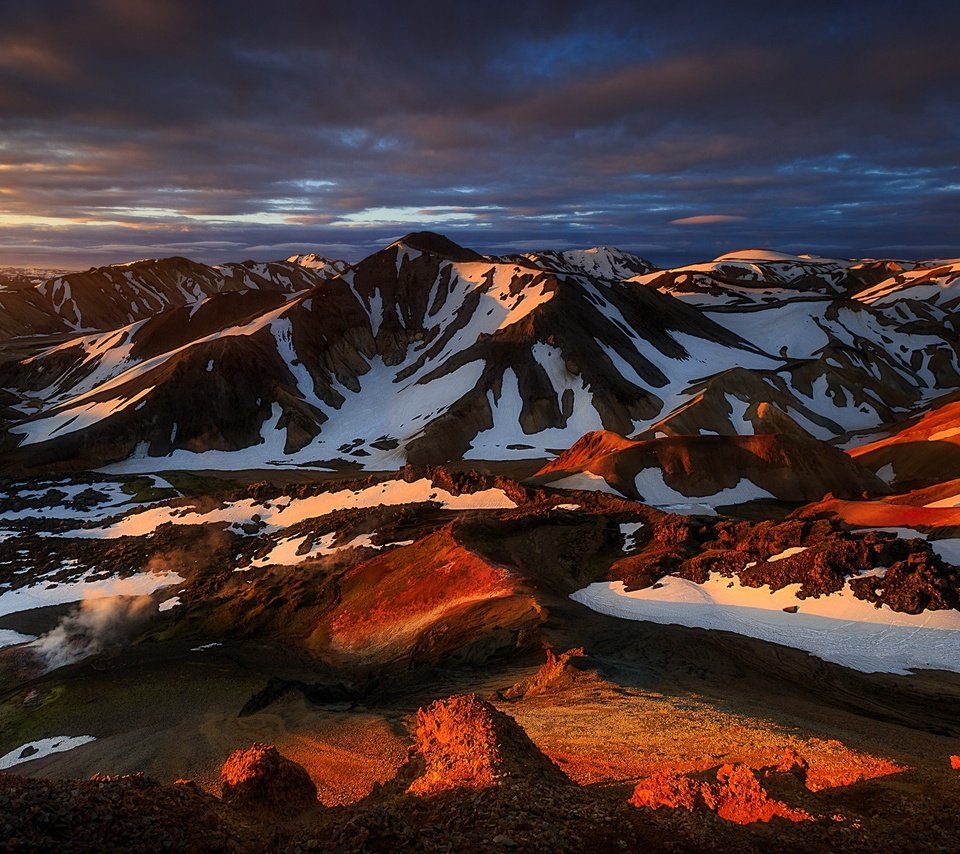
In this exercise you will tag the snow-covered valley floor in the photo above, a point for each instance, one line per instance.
(839, 628)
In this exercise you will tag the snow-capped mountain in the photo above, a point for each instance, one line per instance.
(428, 352)
(603, 262)
(312, 261)
(109, 297)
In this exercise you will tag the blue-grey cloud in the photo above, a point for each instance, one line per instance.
(235, 129)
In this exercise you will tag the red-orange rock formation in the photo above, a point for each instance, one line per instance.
(465, 742)
(259, 778)
(436, 597)
(555, 674)
(737, 795)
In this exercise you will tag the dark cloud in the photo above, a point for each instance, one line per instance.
(240, 129)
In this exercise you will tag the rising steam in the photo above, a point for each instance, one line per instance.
(94, 626)
(107, 616)
(113, 613)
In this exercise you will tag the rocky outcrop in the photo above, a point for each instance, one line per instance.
(436, 600)
(736, 795)
(258, 778)
(555, 674)
(465, 742)
(909, 575)
(128, 813)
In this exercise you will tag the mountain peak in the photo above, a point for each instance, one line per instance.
(436, 244)
(605, 262)
(313, 261)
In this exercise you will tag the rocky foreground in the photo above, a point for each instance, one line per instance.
(473, 780)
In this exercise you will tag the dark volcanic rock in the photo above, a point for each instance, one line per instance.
(259, 778)
(128, 813)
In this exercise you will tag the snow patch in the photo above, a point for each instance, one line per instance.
(629, 532)
(586, 481)
(283, 512)
(790, 552)
(44, 747)
(84, 588)
(839, 628)
(8, 637)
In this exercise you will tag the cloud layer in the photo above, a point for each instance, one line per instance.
(239, 129)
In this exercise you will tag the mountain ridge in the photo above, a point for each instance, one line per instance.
(427, 352)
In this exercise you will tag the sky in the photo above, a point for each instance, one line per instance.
(235, 130)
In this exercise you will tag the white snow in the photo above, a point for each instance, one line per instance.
(285, 552)
(838, 628)
(948, 549)
(629, 532)
(285, 511)
(655, 491)
(52, 593)
(169, 604)
(43, 747)
(790, 552)
(74, 418)
(493, 443)
(8, 637)
(587, 481)
(888, 475)
(772, 255)
(738, 416)
(114, 502)
(794, 328)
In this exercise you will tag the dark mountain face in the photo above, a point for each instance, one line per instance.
(109, 297)
(428, 352)
(601, 262)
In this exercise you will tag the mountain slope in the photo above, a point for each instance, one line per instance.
(600, 262)
(720, 469)
(114, 296)
(427, 352)
(923, 451)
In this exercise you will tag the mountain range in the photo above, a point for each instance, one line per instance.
(427, 352)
